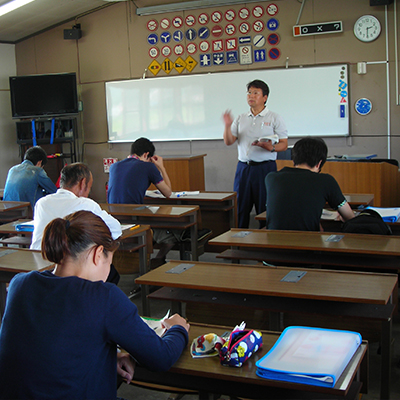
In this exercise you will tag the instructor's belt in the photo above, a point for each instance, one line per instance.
(256, 163)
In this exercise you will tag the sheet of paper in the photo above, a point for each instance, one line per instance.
(127, 226)
(329, 215)
(334, 238)
(293, 276)
(241, 234)
(156, 324)
(180, 268)
(156, 194)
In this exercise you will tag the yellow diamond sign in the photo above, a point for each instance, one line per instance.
(167, 65)
(154, 67)
(190, 63)
(179, 64)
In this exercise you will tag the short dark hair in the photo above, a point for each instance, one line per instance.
(35, 154)
(74, 234)
(141, 146)
(259, 85)
(310, 151)
(72, 174)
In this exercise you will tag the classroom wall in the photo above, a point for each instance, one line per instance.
(114, 46)
(9, 152)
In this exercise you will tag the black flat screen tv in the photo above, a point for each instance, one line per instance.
(42, 96)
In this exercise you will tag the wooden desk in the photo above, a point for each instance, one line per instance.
(14, 261)
(131, 241)
(316, 284)
(359, 199)
(208, 376)
(337, 293)
(14, 237)
(218, 209)
(12, 210)
(359, 251)
(159, 216)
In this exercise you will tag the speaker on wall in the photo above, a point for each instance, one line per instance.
(74, 33)
(380, 2)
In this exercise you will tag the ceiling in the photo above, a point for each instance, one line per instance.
(40, 15)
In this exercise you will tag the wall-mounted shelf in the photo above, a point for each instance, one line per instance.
(61, 146)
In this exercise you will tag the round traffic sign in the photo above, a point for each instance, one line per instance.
(274, 53)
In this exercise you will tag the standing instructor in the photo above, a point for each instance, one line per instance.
(256, 158)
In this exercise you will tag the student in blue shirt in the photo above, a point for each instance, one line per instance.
(61, 328)
(28, 181)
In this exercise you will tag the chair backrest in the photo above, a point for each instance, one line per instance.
(369, 222)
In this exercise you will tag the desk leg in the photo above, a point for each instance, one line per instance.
(233, 214)
(143, 269)
(275, 321)
(386, 356)
(176, 308)
(193, 240)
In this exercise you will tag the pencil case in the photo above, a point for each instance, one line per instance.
(242, 344)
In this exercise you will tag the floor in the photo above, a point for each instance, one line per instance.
(130, 392)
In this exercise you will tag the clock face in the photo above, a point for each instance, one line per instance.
(367, 28)
(363, 106)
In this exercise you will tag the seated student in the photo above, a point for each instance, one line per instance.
(296, 196)
(76, 182)
(61, 328)
(28, 181)
(131, 177)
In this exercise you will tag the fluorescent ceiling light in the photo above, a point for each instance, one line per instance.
(188, 5)
(13, 5)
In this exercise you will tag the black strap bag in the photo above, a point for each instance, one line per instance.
(369, 222)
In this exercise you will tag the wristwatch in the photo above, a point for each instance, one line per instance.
(273, 148)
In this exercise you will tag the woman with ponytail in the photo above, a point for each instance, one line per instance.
(61, 328)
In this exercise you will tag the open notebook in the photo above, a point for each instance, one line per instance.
(312, 356)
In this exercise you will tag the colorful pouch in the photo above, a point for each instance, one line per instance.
(206, 345)
(240, 346)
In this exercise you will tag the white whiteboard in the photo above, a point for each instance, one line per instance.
(189, 107)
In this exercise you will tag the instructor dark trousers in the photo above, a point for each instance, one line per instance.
(250, 187)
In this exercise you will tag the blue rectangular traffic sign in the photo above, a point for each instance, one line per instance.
(232, 57)
(218, 59)
(244, 39)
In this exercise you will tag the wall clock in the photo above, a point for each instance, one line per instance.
(363, 106)
(367, 28)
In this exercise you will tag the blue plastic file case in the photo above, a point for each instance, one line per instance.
(25, 227)
(311, 356)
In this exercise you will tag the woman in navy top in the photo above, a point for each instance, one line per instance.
(61, 328)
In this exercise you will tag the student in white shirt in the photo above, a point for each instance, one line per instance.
(76, 182)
